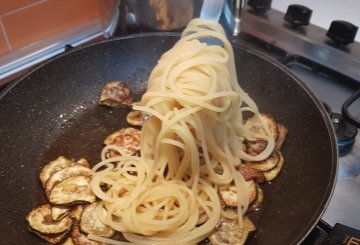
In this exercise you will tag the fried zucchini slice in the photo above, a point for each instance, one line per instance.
(250, 173)
(75, 189)
(259, 199)
(273, 173)
(229, 232)
(58, 164)
(76, 213)
(68, 241)
(80, 239)
(282, 133)
(40, 220)
(251, 185)
(255, 146)
(267, 164)
(126, 139)
(270, 124)
(59, 212)
(91, 224)
(115, 94)
(228, 193)
(65, 173)
(52, 167)
(83, 162)
(257, 124)
(136, 118)
(54, 238)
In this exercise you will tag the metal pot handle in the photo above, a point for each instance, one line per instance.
(345, 109)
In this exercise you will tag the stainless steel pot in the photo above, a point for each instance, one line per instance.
(164, 15)
(173, 15)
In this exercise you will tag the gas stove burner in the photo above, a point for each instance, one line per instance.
(346, 112)
(327, 108)
(345, 133)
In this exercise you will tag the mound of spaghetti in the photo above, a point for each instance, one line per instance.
(191, 148)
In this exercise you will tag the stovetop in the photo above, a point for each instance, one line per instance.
(332, 72)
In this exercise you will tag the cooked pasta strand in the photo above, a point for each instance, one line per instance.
(189, 147)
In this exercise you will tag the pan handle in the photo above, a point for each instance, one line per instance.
(345, 109)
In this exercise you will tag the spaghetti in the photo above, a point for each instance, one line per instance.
(190, 147)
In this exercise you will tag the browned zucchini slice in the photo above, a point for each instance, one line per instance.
(255, 146)
(127, 139)
(250, 173)
(229, 232)
(115, 94)
(65, 173)
(255, 125)
(252, 190)
(40, 220)
(259, 199)
(267, 164)
(136, 118)
(228, 193)
(81, 239)
(282, 133)
(91, 224)
(270, 124)
(59, 212)
(52, 167)
(75, 189)
(273, 173)
(68, 241)
(76, 212)
(83, 162)
(54, 238)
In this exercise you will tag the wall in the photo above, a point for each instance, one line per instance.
(24, 22)
(32, 31)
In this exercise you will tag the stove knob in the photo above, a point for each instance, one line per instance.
(260, 6)
(342, 32)
(298, 15)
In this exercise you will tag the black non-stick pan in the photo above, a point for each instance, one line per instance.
(53, 111)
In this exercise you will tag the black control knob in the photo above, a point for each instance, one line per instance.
(298, 15)
(260, 6)
(342, 32)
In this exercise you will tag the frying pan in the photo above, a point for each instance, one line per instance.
(52, 111)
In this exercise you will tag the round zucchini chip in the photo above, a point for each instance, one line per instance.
(65, 173)
(59, 212)
(52, 167)
(80, 238)
(136, 118)
(40, 220)
(229, 232)
(91, 224)
(273, 173)
(75, 189)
